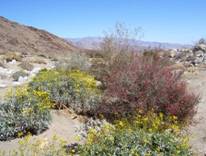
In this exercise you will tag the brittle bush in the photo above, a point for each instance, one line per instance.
(147, 135)
(84, 78)
(24, 112)
(21, 92)
(75, 89)
(80, 78)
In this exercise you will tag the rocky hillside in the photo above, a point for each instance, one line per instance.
(27, 39)
(191, 56)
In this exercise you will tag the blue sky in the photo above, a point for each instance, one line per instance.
(179, 21)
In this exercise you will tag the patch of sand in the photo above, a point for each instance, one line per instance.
(197, 83)
(62, 125)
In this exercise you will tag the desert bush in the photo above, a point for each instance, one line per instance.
(19, 74)
(119, 40)
(12, 56)
(75, 61)
(115, 51)
(26, 66)
(73, 89)
(99, 69)
(142, 136)
(23, 112)
(147, 83)
(102, 67)
(137, 143)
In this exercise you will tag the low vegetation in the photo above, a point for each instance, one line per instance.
(147, 83)
(24, 112)
(144, 135)
(75, 89)
(75, 61)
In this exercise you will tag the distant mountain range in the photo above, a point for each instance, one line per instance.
(94, 43)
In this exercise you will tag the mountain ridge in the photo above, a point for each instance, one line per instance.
(28, 39)
(94, 43)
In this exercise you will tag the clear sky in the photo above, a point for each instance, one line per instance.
(179, 21)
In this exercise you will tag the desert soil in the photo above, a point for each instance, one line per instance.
(197, 130)
(63, 126)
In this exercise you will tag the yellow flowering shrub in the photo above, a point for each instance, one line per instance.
(151, 122)
(75, 89)
(82, 78)
(24, 111)
(140, 137)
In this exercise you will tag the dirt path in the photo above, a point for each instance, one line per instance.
(197, 130)
(62, 126)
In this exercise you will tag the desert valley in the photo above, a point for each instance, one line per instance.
(98, 96)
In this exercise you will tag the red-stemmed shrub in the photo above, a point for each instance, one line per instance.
(147, 83)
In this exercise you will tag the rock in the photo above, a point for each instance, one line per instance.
(3, 85)
(12, 62)
(198, 60)
(99, 84)
(200, 47)
(199, 53)
(5, 71)
(22, 79)
(190, 58)
(19, 75)
(35, 71)
(172, 53)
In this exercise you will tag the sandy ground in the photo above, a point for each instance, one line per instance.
(197, 83)
(63, 126)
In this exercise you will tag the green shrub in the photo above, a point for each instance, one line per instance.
(73, 89)
(24, 112)
(18, 74)
(144, 135)
(75, 61)
(137, 143)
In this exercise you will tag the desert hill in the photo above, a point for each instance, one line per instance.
(27, 39)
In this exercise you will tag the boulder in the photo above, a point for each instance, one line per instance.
(201, 47)
(19, 75)
(199, 53)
